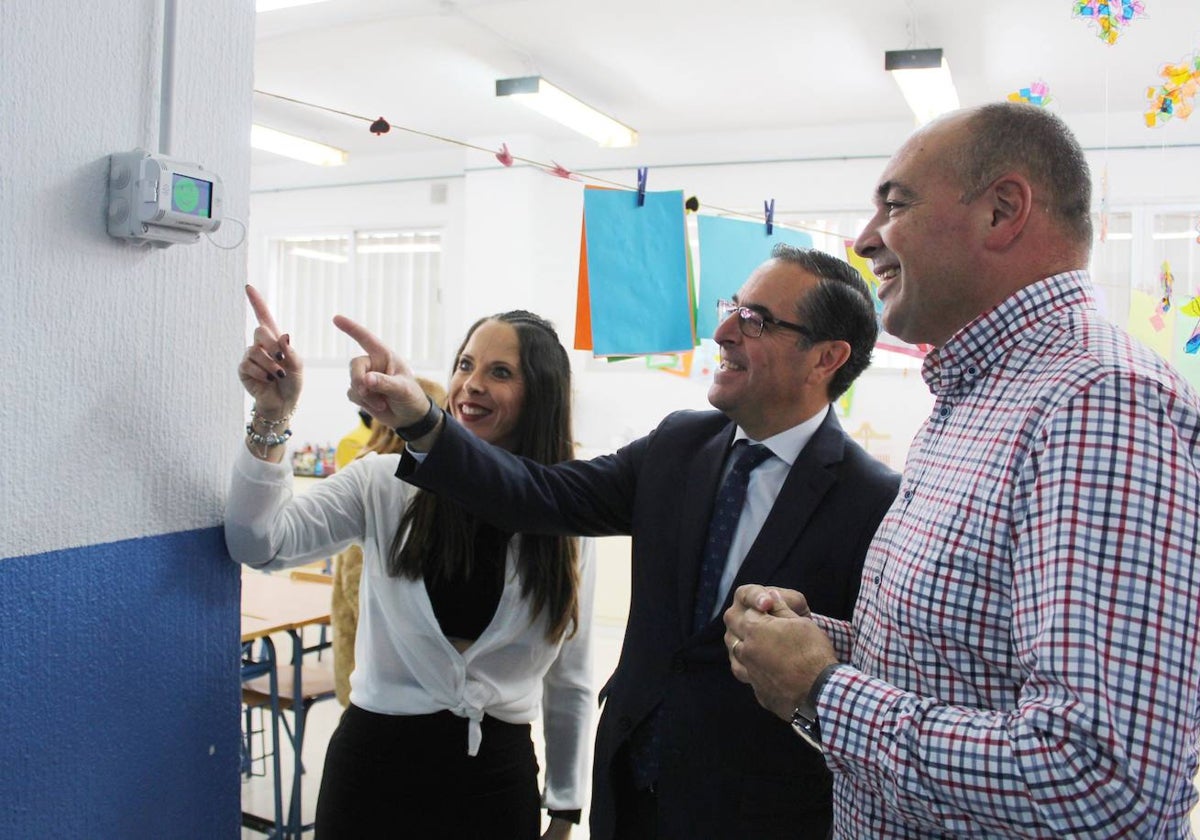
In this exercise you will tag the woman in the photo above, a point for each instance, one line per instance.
(347, 565)
(461, 627)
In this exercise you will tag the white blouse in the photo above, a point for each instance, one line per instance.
(404, 665)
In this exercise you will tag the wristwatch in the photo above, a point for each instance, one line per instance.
(804, 716)
(423, 426)
(805, 724)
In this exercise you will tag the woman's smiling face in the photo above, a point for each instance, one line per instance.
(487, 391)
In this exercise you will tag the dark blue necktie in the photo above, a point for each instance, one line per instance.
(644, 742)
(722, 526)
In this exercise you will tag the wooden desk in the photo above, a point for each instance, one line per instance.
(277, 603)
(280, 603)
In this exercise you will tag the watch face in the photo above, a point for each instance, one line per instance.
(807, 729)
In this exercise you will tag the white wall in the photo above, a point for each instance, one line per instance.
(118, 383)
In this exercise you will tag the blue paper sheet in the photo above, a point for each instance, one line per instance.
(637, 273)
(730, 249)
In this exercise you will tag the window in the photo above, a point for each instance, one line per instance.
(386, 280)
(1129, 262)
(1112, 265)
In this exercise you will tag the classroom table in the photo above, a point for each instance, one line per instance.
(280, 603)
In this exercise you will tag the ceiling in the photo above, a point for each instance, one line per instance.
(678, 67)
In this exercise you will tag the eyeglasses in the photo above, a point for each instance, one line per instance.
(752, 322)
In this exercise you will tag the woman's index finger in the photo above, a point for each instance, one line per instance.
(261, 312)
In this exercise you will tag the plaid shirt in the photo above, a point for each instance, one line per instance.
(1025, 653)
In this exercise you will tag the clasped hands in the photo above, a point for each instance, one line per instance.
(775, 646)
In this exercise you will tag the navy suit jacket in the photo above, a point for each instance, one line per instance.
(730, 769)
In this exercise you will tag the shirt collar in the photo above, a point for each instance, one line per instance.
(787, 445)
(956, 365)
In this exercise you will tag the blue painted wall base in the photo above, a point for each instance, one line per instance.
(119, 690)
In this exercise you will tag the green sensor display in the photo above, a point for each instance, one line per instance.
(191, 195)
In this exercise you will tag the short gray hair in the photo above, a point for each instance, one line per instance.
(1008, 136)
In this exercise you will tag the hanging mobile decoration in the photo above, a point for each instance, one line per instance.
(1167, 280)
(1109, 15)
(1192, 309)
(1174, 97)
(1037, 93)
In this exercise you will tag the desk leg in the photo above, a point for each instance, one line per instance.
(267, 663)
(268, 648)
(295, 815)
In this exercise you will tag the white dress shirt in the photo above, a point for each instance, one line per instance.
(404, 665)
(765, 483)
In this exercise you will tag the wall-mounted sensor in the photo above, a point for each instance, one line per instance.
(160, 201)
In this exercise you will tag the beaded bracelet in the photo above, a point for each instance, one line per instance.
(268, 440)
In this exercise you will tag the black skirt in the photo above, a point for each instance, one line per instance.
(410, 777)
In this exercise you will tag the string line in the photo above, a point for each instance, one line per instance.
(551, 168)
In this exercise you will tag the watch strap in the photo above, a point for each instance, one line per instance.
(814, 693)
(423, 426)
(804, 721)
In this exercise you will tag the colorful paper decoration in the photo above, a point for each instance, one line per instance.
(1193, 343)
(1167, 280)
(1192, 309)
(1148, 324)
(1109, 15)
(637, 273)
(730, 249)
(1174, 97)
(678, 364)
(1037, 93)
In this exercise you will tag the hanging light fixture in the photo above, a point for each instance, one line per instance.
(297, 148)
(924, 78)
(554, 102)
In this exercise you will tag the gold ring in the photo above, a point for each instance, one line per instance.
(733, 650)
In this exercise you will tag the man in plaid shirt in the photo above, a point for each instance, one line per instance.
(1024, 658)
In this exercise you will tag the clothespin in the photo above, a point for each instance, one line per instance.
(504, 155)
(769, 210)
(380, 126)
(641, 176)
(561, 171)
(693, 204)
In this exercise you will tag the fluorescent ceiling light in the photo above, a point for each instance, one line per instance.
(536, 93)
(272, 5)
(924, 79)
(289, 145)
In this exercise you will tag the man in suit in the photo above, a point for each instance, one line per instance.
(683, 750)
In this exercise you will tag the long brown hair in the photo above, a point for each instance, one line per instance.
(442, 538)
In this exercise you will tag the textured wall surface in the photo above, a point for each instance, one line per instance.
(119, 418)
(120, 691)
(118, 374)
